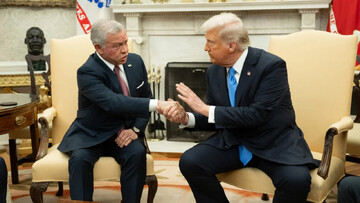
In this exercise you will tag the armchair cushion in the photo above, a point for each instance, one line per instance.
(249, 178)
(54, 167)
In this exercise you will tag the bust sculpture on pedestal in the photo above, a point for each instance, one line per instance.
(36, 61)
(35, 58)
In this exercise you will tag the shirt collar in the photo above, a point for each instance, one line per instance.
(108, 64)
(239, 64)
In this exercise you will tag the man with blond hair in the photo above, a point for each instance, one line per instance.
(249, 108)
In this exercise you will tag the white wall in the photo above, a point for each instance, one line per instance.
(56, 22)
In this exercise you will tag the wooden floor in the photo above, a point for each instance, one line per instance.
(352, 168)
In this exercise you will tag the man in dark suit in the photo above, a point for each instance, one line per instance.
(249, 108)
(3, 180)
(113, 111)
(349, 190)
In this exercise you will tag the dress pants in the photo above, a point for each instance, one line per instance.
(131, 158)
(349, 190)
(3, 180)
(201, 163)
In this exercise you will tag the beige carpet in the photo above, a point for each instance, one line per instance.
(172, 188)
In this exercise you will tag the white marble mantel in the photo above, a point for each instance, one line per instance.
(224, 6)
(149, 22)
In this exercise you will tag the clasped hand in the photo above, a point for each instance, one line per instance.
(173, 111)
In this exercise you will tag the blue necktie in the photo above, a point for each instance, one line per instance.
(245, 155)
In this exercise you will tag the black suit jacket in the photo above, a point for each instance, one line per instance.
(263, 119)
(102, 107)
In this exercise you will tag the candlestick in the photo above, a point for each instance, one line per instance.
(158, 75)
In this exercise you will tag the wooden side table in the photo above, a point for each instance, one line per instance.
(22, 113)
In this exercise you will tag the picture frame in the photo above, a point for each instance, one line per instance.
(39, 3)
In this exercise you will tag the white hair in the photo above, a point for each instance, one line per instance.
(102, 28)
(232, 29)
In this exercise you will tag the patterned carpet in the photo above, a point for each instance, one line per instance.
(172, 188)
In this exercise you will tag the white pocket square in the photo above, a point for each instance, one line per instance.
(140, 85)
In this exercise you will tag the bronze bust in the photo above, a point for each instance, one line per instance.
(35, 41)
(35, 58)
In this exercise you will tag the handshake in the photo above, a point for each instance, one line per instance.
(174, 112)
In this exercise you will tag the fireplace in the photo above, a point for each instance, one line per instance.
(193, 74)
(170, 32)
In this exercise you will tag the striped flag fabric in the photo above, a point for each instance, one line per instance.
(345, 19)
(89, 11)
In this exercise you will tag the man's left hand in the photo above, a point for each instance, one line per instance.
(125, 137)
(191, 99)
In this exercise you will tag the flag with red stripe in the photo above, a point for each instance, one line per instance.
(89, 11)
(344, 18)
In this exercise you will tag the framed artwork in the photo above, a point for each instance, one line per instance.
(39, 3)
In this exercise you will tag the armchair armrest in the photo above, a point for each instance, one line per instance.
(46, 118)
(345, 124)
(146, 145)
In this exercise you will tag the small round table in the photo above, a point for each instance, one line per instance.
(19, 111)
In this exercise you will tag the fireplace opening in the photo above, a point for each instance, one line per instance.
(192, 74)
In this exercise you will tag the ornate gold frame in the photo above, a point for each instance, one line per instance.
(19, 80)
(39, 3)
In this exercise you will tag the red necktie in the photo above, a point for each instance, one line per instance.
(123, 87)
(122, 82)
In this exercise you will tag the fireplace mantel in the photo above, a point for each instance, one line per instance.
(282, 16)
(224, 6)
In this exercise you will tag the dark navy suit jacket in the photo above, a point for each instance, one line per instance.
(263, 119)
(102, 107)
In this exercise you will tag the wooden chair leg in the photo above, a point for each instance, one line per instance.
(265, 197)
(13, 161)
(36, 191)
(60, 190)
(152, 182)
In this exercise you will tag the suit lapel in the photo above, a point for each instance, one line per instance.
(246, 75)
(222, 84)
(113, 79)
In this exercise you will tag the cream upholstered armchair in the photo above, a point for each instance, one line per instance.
(67, 56)
(320, 71)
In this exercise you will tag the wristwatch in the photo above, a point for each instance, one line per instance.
(136, 130)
